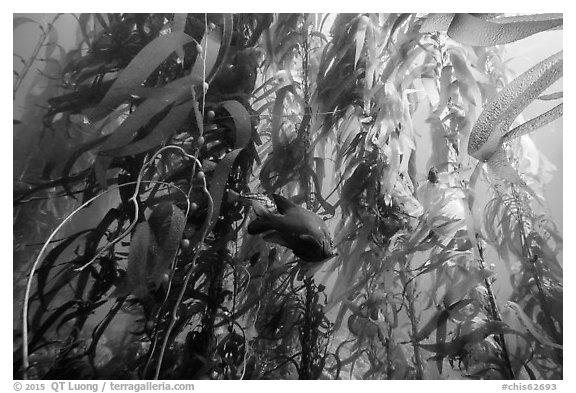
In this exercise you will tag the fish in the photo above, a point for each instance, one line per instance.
(294, 227)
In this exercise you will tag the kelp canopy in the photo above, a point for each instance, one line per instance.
(141, 148)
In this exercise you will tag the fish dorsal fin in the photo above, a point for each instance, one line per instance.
(283, 204)
(259, 209)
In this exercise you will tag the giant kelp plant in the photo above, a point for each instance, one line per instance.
(151, 137)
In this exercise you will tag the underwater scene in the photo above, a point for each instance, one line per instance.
(287, 196)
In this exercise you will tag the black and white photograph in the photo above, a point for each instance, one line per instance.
(287, 196)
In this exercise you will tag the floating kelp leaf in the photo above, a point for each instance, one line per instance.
(82, 311)
(352, 264)
(394, 161)
(22, 20)
(242, 137)
(98, 233)
(471, 30)
(492, 127)
(348, 129)
(46, 324)
(224, 47)
(102, 21)
(445, 88)
(523, 18)
(139, 260)
(552, 96)
(360, 37)
(315, 176)
(468, 86)
(280, 80)
(424, 71)
(530, 325)
(456, 292)
(48, 263)
(219, 181)
(178, 25)
(461, 344)
(500, 168)
(440, 318)
(205, 62)
(431, 89)
(167, 223)
(363, 327)
(81, 283)
(399, 21)
(242, 123)
(354, 186)
(440, 260)
(334, 92)
(441, 202)
(287, 45)
(441, 22)
(436, 22)
(548, 255)
(277, 114)
(372, 54)
(83, 22)
(179, 22)
(168, 126)
(175, 91)
(535, 123)
(52, 46)
(140, 68)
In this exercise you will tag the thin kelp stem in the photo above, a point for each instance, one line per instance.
(307, 338)
(304, 129)
(49, 241)
(134, 197)
(102, 326)
(495, 314)
(410, 291)
(25, 362)
(531, 259)
(19, 80)
(305, 63)
(34, 56)
(205, 228)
